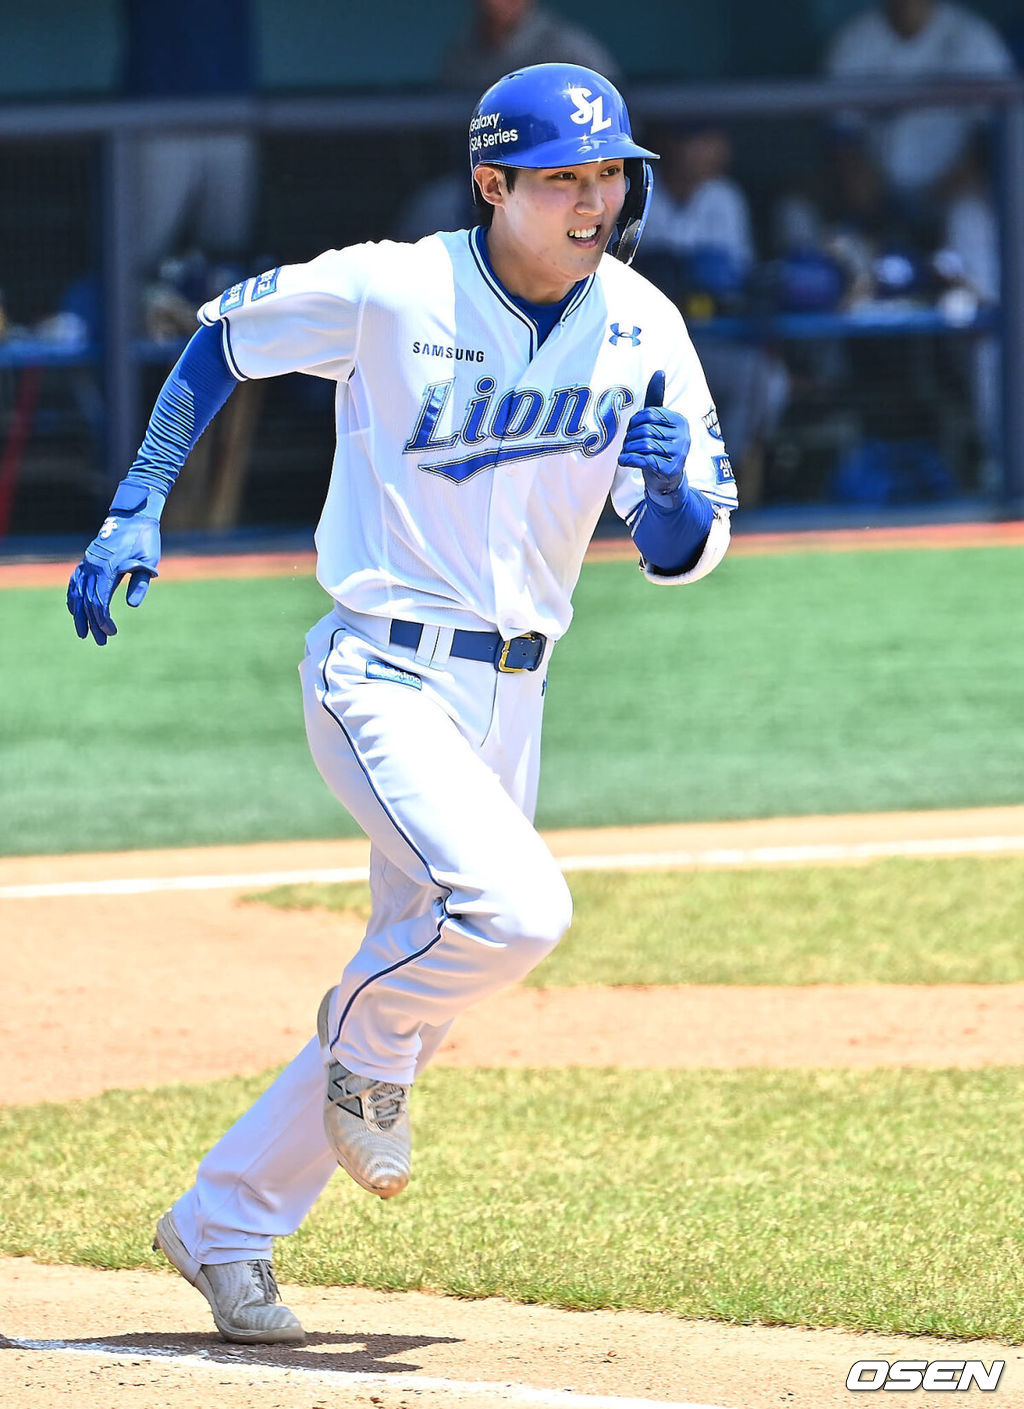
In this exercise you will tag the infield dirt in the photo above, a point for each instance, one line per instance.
(70, 1027)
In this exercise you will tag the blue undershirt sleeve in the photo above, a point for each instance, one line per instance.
(671, 537)
(198, 386)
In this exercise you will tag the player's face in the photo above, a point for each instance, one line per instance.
(551, 229)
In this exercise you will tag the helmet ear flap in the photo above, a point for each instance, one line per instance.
(633, 216)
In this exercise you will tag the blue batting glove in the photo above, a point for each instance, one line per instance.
(657, 443)
(128, 542)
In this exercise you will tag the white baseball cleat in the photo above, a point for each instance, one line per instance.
(243, 1296)
(366, 1121)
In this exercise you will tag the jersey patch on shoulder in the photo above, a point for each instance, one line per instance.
(723, 469)
(265, 284)
(382, 670)
(711, 424)
(233, 297)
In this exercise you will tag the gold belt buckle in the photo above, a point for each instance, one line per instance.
(503, 658)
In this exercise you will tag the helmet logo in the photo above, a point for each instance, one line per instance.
(587, 111)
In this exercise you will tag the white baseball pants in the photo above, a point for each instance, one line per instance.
(437, 759)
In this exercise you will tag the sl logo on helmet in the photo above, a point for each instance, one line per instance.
(587, 111)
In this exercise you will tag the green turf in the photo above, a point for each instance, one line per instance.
(955, 920)
(184, 729)
(888, 1201)
(790, 684)
(780, 685)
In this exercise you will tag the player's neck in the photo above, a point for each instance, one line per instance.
(520, 274)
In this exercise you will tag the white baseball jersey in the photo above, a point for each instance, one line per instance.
(472, 464)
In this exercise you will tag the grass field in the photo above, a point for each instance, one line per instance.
(881, 1200)
(781, 685)
(955, 920)
(886, 1200)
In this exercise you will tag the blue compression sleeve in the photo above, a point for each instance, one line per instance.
(198, 386)
(672, 538)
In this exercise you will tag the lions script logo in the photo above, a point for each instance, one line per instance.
(587, 111)
(570, 418)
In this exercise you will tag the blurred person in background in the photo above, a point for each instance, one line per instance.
(195, 201)
(922, 170)
(504, 35)
(511, 34)
(699, 248)
(196, 188)
(906, 205)
(698, 203)
(193, 190)
(917, 150)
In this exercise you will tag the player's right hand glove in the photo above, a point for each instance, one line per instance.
(657, 443)
(128, 542)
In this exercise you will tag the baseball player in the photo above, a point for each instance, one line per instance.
(495, 385)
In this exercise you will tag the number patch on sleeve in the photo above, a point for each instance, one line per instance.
(234, 297)
(265, 284)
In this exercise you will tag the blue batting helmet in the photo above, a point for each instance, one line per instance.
(563, 115)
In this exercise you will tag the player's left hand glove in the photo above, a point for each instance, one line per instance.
(657, 443)
(128, 542)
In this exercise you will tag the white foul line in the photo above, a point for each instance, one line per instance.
(509, 1391)
(147, 885)
(630, 861)
(786, 855)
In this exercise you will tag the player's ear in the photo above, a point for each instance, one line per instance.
(491, 182)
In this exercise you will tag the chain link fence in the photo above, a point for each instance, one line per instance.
(858, 353)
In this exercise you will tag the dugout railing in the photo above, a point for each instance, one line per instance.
(117, 358)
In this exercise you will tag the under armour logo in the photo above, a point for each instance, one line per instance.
(587, 111)
(108, 527)
(633, 335)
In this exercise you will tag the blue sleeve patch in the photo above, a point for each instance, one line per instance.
(234, 297)
(712, 426)
(723, 469)
(265, 284)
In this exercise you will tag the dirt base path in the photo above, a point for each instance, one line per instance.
(82, 986)
(383, 1350)
(85, 1009)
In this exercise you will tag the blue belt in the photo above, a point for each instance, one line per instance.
(510, 657)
